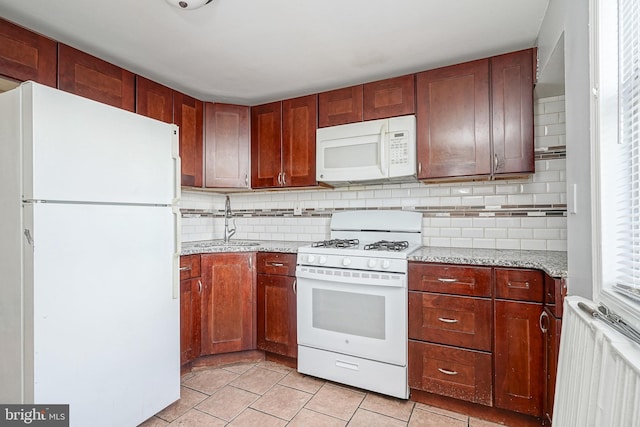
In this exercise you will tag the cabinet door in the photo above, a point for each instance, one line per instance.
(389, 98)
(277, 331)
(299, 117)
(25, 55)
(551, 331)
(188, 114)
(228, 303)
(340, 106)
(154, 100)
(190, 291)
(453, 121)
(93, 78)
(226, 146)
(266, 145)
(512, 110)
(518, 358)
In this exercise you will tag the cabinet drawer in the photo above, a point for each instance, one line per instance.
(449, 371)
(189, 266)
(449, 279)
(554, 293)
(453, 320)
(520, 285)
(277, 263)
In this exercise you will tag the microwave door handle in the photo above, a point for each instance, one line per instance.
(383, 150)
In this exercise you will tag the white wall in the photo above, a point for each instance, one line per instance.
(578, 96)
(514, 214)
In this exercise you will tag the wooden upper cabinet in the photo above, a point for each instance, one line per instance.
(453, 121)
(188, 114)
(512, 109)
(340, 106)
(266, 143)
(299, 123)
(226, 146)
(25, 55)
(389, 98)
(154, 100)
(93, 78)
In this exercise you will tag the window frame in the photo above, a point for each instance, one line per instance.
(603, 47)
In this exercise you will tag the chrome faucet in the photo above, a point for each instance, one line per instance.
(228, 232)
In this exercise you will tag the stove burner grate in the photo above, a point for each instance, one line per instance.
(384, 245)
(336, 243)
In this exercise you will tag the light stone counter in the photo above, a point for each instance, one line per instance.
(554, 263)
(213, 246)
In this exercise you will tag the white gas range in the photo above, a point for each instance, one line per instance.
(352, 300)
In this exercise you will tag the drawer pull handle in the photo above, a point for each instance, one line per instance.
(445, 280)
(187, 268)
(445, 320)
(445, 371)
(276, 264)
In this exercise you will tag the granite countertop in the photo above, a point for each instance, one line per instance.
(218, 245)
(554, 263)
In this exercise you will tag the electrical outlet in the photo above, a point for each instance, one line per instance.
(297, 210)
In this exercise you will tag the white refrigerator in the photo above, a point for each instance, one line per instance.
(89, 256)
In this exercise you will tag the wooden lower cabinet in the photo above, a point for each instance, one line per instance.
(228, 303)
(190, 292)
(551, 331)
(518, 357)
(450, 319)
(277, 330)
(450, 371)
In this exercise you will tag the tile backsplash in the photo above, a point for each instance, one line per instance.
(528, 213)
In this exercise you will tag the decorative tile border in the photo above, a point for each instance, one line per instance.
(427, 211)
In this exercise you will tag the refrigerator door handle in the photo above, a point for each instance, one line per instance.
(175, 153)
(27, 234)
(177, 225)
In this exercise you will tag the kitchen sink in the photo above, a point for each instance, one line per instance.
(233, 243)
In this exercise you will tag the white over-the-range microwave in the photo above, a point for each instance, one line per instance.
(374, 151)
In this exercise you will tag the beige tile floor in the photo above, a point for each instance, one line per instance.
(268, 394)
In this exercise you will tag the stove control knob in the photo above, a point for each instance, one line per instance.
(346, 261)
(371, 263)
(322, 259)
(386, 263)
(311, 258)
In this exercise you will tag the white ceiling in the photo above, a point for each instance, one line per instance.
(254, 51)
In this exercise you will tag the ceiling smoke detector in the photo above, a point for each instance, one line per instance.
(188, 4)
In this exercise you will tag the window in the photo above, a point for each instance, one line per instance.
(615, 48)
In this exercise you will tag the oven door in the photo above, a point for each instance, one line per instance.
(359, 313)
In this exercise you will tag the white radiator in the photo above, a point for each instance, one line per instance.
(598, 381)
